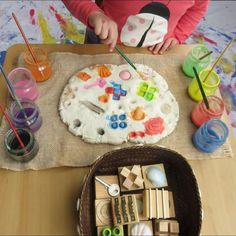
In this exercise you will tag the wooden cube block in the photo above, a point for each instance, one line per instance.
(127, 184)
(136, 170)
(103, 212)
(162, 177)
(138, 182)
(166, 227)
(125, 172)
(163, 226)
(101, 190)
(174, 227)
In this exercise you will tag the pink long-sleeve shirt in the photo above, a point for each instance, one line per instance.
(184, 14)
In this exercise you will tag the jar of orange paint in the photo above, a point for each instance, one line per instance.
(41, 69)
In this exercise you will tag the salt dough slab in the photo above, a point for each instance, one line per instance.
(118, 119)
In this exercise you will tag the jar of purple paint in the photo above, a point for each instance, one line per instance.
(29, 118)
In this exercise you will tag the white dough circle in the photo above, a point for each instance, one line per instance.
(101, 107)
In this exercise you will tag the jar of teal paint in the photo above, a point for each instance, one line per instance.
(193, 59)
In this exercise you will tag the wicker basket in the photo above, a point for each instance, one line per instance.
(180, 177)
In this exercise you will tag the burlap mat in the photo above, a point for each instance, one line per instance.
(58, 147)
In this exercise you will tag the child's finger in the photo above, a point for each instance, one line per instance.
(157, 48)
(166, 45)
(173, 43)
(151, 47)
(112, 38)
(98, 27)
(104, 32)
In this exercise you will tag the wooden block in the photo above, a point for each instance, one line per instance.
(139, 203)
(149, 184)
(146, 227)
(103, 212)
(127, 183)
(171, 205)
(125, 172)
(100, 190)
(136, 170)
(174, 227)
(131, 181)
(150, 203)
(166, 207)
(146, 203)
(124, 210)
(152, 206)
(138, 182)
(163, 226)
(166, 227)
(160, 204)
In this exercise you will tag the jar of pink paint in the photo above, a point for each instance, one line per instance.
(23, 83)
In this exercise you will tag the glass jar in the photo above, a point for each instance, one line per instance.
(193, 59)
(210, 85)
(210, 136)
(42, 69)
(28, 118)
(13, 148)
(200, 114)
(23, 83)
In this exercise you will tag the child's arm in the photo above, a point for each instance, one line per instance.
(184, 28)
(91, 15)
(81, 9)
(190, 19)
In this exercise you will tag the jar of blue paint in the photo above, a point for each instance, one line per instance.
(211, 135)
(29, 118)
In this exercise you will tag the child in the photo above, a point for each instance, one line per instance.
(157, 25)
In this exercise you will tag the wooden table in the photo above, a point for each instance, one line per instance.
(44, 202)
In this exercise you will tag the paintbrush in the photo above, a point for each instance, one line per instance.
(206, 55)
(27, 42)
(13, 128)
(128, 61)
(201, 88)
(217, 61)
(12, 90)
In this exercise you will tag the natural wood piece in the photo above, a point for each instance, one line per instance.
(44, 202)
(147, 182)
(100, 190)
(124, 210)
(157, 203)
(170, 227)
(130, 178)
(103, 212)
(139, 203)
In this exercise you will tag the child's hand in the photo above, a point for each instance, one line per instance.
(105, 28)
(163, 46)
